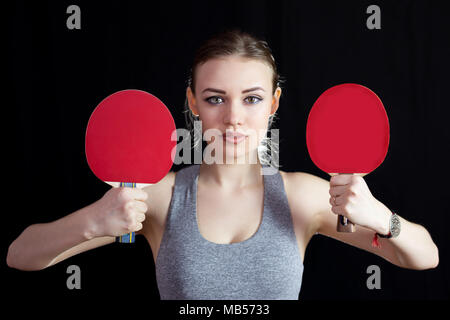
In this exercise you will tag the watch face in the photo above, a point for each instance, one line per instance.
(395, 225)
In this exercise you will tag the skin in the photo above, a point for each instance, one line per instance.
(235, 191)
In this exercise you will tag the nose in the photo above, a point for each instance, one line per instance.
(234, 114)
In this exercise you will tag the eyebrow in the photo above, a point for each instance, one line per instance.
(224, 92)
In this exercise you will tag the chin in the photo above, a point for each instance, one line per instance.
(239, 158)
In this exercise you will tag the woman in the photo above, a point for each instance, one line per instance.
(222, 229)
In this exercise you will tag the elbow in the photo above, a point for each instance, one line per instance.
(435, 258)
(431, 265)
(10, 257)
(432, 261)
(14, 261)
(427, 261)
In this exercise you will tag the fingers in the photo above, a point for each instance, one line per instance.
(135, 227)
(343, 206)
(135, 214)
(344, 179)
(336, 201)
(337, 191)
(340, 180)
(140, 206)
(132, 194)
(140, 217)
(133, 200)
(339, 195)
(336, 208)
(138, 194)
(137, 211)
(348, 185)
(124, 210)
(135, 223)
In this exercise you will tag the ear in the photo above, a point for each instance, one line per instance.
(191, 101)
(275, 101)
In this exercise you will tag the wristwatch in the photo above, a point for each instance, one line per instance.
(394, 227)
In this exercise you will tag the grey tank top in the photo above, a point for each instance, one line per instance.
(266, 266)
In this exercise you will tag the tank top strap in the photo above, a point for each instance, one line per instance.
(184, 192)
(277, 210)
(180, 220)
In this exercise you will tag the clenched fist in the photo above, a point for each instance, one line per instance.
(119, 211)
(351, 197)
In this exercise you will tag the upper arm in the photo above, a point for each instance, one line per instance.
(316, 207)
(158, 201)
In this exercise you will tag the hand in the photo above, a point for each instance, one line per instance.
(351, 197)
(119, 211)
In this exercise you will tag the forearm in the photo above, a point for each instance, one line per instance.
(413, 248)
(40, 243)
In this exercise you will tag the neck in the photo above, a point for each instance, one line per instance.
(231, 176)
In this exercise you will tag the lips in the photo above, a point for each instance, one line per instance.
(234, 137)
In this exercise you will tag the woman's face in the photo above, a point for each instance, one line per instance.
(234, 100)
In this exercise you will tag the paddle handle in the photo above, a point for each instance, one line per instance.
(345, 225)
(129, 237)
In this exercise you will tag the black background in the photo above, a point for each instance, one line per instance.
(56, 76)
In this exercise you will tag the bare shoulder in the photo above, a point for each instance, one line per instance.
(302, 179)
(306, 194)
(304, 183)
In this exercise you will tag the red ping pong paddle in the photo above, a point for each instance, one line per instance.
(347, 132)
(129, 141)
